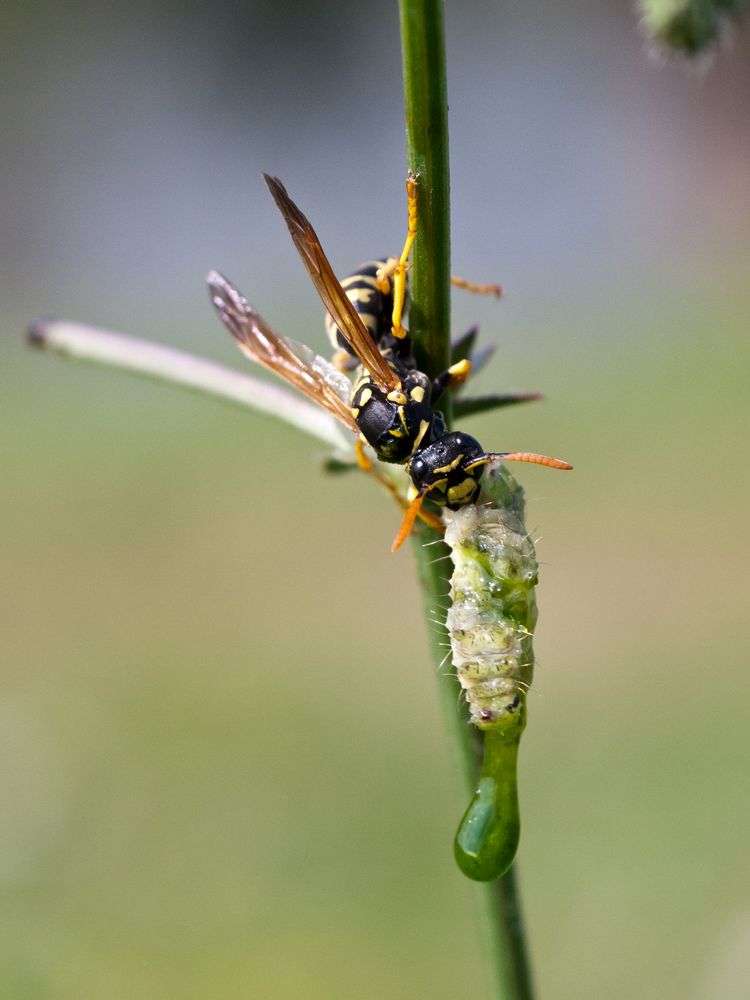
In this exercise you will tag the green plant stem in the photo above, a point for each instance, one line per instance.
(426, 107)
(425, 95)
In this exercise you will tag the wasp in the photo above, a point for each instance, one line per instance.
(391, 404)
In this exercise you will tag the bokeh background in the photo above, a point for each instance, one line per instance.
(224, 770)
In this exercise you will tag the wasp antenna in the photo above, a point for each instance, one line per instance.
(520, 456)
(534, 459)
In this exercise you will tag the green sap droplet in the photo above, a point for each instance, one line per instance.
(488, 835)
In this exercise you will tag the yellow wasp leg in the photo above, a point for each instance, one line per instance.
(433, 520)
(477, 289)
(384, 274)
(451, 378)
(399, 272)
(363, 459)
(366, 464)
(459, 373)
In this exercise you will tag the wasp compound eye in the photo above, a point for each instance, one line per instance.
(419, 470)
(468, 445)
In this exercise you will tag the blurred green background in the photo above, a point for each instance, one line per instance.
(224, 770)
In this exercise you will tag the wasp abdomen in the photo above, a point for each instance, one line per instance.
(375, 307)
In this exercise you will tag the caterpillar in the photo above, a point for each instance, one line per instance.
(490, 624)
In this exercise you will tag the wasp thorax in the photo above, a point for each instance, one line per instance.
(399, 422)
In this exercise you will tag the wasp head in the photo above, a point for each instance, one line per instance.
(441, 469)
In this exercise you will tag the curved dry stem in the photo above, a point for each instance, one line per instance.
(167, 364)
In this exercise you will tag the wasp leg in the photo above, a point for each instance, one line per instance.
(384, 274)
(363, 459)
(431, 520)
(451, 378)
(495, 290)
(399, 272)
(366, 464)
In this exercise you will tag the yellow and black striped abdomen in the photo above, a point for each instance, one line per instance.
(374, 306)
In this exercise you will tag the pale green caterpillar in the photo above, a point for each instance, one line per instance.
(490, 623)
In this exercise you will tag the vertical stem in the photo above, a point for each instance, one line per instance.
(425, 96)
(426, 105)
(509, 946)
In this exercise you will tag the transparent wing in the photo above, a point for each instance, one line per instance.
(315, 377)
(336, 379)
(334, 297)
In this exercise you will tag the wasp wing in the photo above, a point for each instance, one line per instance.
(315, 377)
(334, 298)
